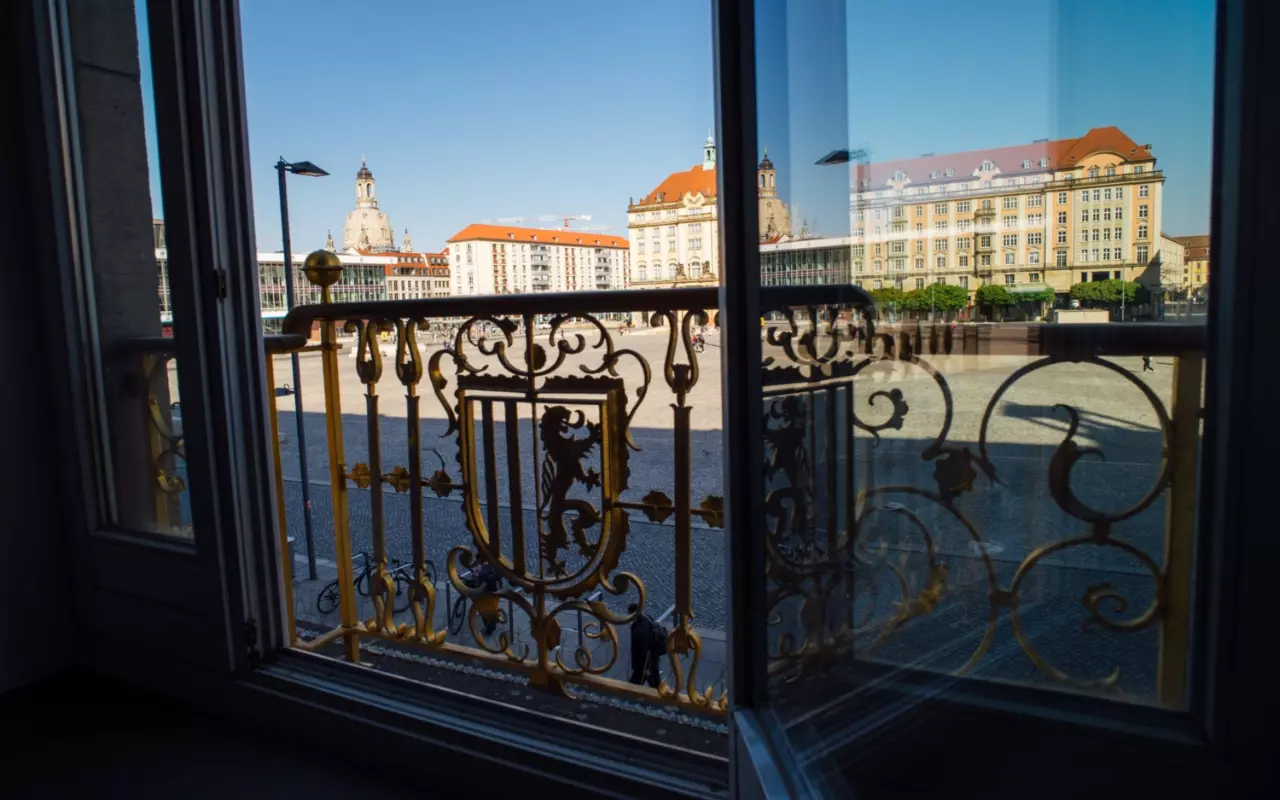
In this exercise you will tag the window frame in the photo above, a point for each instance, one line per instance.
(1168, 749)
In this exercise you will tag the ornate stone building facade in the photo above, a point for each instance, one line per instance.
(673, 228)
(775, 219)
(1046, 214)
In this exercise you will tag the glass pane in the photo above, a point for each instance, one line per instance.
(145, 469)
(986, 468)
(592, 486)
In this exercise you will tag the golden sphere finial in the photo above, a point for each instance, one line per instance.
(322, 268)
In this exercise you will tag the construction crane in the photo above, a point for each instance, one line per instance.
(579, 217)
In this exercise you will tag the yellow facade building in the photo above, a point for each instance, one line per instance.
(1045, 214)
(1195, 264)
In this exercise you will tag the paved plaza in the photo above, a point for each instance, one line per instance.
(1013, 516)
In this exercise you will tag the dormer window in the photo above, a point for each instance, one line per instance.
(1026, 164)
(1044, 162)
(933, 175)
(987, 166)
(1093, 172)
(1111, 171)
(898, 176)
(951, 173)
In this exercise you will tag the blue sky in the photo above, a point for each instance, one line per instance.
(512, 108)
(929, 76)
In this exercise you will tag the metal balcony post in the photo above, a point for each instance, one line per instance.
(323, 269)
(1180, 532)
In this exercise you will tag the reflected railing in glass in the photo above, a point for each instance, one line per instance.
(904, 527)
(149, 456)
(145, 371)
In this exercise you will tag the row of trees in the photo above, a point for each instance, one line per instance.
(938, 297)
(1001, 297)
(1108, 293)
(946, 297)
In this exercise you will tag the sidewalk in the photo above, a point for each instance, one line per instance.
(711, 669)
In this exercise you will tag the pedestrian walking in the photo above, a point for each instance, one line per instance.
(648, 643)
(1146, 364)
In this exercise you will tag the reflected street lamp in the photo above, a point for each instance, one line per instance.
(842, 156)
(312, 171)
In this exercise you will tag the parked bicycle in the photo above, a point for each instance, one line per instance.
(329, 598)
(458, 612)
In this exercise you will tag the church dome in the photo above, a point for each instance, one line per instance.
(368, 228)
(765, 163)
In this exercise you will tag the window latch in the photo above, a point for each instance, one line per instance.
(220, 279)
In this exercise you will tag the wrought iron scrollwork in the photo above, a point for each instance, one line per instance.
(820, 569)
(555, 396)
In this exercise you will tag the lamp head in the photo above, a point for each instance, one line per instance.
(306, 168)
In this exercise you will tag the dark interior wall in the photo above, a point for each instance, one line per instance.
(36, 625)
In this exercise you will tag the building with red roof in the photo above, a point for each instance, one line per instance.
(412, 275)
(1047, 214)
(673, 228)
(505, 259)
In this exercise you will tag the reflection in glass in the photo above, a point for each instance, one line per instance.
(132, 288)
(985, 468)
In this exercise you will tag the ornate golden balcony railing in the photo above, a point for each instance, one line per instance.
(551, 363)
(557, 403)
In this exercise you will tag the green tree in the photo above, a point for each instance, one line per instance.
(1087, 293)
(940, 297)
(888, 298)
(1038, 296)
(1107, 293)
(995, 295)
(948, 297)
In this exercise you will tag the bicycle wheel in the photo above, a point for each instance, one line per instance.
(457, 615)
(404, 592)
(362, 583)
(328, 598)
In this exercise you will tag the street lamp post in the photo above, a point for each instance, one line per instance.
(311, 170)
